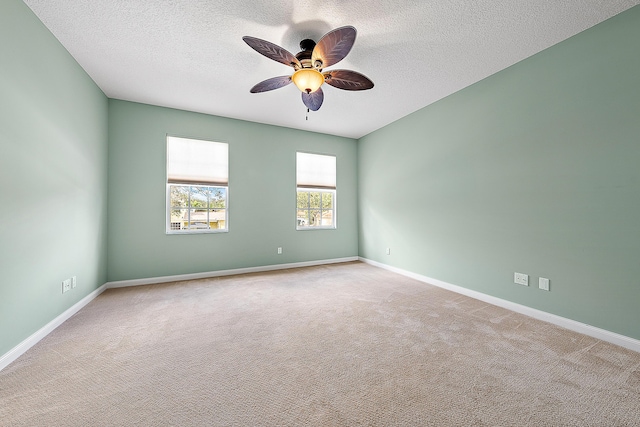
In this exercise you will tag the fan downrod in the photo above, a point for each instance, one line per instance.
(307, 44)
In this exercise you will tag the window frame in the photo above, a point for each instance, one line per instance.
(319, 189)
(309, 208)
(170, 230)
(168, 207)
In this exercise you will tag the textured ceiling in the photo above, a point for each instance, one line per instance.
(189, 54)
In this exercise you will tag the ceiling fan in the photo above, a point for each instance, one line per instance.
(309, 64)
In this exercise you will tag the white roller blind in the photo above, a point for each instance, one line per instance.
(192, 161)
(315, 171)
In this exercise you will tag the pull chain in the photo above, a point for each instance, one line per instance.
(307, 117)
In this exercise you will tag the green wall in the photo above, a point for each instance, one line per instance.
(53, 177)
(262, 190)
(535, 169)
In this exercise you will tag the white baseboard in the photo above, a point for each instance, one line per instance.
(583, 328)
(612, 337)
(25, 345)
(208, 274)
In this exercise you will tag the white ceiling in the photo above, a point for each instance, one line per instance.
(189, 54)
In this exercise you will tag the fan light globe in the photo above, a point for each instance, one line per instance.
(307, 79)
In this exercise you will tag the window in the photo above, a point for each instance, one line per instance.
(316, 191)
(197, 186)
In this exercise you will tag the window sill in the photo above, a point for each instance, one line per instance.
(187, 232)
(314, 228)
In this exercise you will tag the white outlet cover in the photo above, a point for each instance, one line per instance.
(521, 279)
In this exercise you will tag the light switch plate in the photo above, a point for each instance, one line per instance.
(543, 283)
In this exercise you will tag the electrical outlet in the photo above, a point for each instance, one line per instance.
(521, 279)
(543, 284)
(388, 251)
(66, 285)
(279, 251)
(73, 282)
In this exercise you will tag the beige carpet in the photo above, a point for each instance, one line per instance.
(337, 345)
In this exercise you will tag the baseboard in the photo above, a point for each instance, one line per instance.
(612, 337)
(235, 271)
(583, 328)
(25, 345)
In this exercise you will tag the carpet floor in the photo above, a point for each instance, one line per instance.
(335, 345)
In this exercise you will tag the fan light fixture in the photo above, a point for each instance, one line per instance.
(308, 79)
(309, 66)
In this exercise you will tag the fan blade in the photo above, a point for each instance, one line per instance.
(334, 46)
(347, 80)
(272, 51)
(271, 84)
(313, 100)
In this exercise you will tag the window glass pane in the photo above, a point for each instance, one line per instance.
(179, 196)
(199, 219)
(199, 197)
(178, 214)
(314, 217)
(179, 219)
(217, 197)
(327, 200)
(303, 218)
(217, 219)
(327, 218)
(314, 199)
(303, 199)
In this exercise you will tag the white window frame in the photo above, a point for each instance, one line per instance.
(190, 183)
(189, 209)
(333, 209)
(327, 185)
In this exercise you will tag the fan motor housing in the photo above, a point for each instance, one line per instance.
(304, 56)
